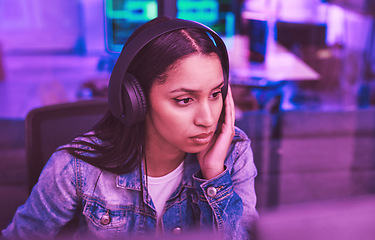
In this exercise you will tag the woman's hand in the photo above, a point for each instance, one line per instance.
(212, 159)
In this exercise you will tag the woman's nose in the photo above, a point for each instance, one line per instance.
(204, 115)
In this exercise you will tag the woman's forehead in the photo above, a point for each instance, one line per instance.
(194, 71)
(193, 62)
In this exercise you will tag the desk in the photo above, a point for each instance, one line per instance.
(280, 65)
(268, 77)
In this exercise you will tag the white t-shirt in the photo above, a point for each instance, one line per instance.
(161, 188)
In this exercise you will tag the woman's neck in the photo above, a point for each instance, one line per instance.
(161, 161)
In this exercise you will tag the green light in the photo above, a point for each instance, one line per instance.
(133, 11)
(201, 11)
(152, 10)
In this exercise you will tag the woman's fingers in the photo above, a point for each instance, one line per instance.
(229, 113)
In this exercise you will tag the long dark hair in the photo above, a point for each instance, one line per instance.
(115, 147)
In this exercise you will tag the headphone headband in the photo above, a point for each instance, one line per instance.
(131, 49)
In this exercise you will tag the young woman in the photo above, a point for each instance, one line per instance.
(177, 166)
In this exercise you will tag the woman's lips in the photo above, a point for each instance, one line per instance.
(202, 139)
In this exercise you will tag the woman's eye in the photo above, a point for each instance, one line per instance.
(216, 94)
(184, 101)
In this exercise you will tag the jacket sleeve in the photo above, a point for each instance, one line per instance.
(227, 202)
(51, 204)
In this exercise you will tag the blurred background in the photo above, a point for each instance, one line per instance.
(302, 73)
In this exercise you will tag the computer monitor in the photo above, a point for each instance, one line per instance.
(122, 17)
(216, 14)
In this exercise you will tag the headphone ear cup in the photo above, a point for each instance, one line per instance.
(133, 101)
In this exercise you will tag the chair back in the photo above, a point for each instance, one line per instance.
(49, 127)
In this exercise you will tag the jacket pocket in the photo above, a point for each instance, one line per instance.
(104, 216)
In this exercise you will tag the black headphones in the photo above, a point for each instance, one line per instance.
(125, 96)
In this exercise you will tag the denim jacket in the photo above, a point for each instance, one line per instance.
(111, 206)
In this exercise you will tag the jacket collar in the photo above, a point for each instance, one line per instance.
(131, 180)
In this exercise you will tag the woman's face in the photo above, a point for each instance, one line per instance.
(184, 110)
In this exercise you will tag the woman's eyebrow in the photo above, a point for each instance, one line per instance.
(193, 90)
